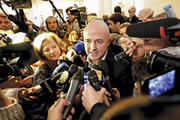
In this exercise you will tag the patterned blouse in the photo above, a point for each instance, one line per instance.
(42, 72)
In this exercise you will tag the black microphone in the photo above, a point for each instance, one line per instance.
(93, 80)
(73, 89)
(150, 29)
(78, 61)
(72, 70)
(104, 68)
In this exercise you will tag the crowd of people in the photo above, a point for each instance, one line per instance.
(96, 40)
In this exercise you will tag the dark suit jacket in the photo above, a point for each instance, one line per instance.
(120, 74)
(134, 19)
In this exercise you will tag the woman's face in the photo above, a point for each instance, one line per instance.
(74, 36)
(50, 49)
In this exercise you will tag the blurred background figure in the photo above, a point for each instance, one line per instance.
(132, 15)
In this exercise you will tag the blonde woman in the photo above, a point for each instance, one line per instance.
(48, 47)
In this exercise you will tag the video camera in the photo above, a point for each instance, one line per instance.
(80, 15)
(21, 4)
(14, 58)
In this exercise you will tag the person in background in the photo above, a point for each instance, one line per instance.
(117, 10)
(106, 19)
(31, 33)
(5, 23)
(132, 17)
(53, 26)
(115, 20)
(72, 20)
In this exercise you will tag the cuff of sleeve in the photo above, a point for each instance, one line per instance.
(97, 110)
(13, 111)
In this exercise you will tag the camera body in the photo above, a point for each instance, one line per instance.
(80, 15)
(21, 4)
(163, 83)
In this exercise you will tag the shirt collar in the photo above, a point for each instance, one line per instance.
(90, 64)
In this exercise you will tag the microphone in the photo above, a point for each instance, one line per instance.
(78, 61)
(93, 80)
(79, 48)
(72, 70)
(150, 29)
(60, 79)
(73, 89)
(104, 68)
(61, 67)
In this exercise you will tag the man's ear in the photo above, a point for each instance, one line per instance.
(109, 40)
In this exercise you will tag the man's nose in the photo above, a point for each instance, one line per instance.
(93, 46)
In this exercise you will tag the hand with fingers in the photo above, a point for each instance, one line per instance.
(90, 97)
(56, 110)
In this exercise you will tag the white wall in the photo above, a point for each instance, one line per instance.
(42, 9)
(158, 5)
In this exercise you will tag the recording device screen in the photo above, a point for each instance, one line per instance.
(162, 83)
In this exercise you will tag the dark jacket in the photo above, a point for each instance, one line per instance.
(134, 19)
(120, 74)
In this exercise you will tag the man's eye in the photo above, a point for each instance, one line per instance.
(99, 41)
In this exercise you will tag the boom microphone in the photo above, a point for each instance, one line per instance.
(73, 89)
(19, 47)
(150, 29)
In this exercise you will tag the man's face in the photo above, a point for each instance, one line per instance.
(52, 24)
(71, 17)
(132, 12)
(30, 27)
(96, 44)
(5, 23)
(113, 27)
(153, 44)
(139, 50)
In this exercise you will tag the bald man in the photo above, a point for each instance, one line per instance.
(97, 40)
